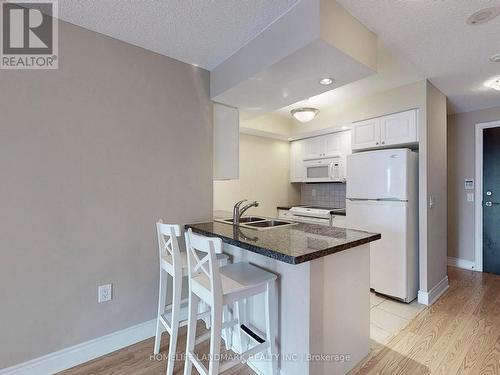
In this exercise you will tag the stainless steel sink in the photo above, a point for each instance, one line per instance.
(247, 219)
(268, 224)
(257, 222)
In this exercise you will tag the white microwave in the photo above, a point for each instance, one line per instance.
(324, 170)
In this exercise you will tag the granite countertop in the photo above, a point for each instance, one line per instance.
(292, 244)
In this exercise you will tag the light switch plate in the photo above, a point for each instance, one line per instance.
(469, 184)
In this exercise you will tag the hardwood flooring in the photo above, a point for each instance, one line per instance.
(459, 334)
(138, 359)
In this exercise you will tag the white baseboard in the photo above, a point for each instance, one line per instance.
(86, 351)
(428, 298)
(461, 263)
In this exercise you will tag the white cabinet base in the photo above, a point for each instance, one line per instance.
(324, 309)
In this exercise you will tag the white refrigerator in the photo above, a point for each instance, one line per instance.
(382, 197)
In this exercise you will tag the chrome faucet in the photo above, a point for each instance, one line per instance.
(237, 211)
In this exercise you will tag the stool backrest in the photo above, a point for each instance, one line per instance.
(208, 265)
(168, 246)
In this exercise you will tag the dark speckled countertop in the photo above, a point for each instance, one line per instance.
(291, 244)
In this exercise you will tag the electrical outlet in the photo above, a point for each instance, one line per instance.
(470, 197)
(104, 293)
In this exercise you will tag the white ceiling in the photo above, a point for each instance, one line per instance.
(200, 32)
(392, 71)
(434, 36)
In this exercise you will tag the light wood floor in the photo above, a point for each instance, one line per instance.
(137, 359)
(459, 334)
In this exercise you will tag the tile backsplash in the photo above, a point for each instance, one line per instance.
(323, 195)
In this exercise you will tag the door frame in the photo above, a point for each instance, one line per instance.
(478, 202)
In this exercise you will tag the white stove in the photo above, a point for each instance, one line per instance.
(318, 215)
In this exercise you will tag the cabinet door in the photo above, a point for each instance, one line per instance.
(365, 134)
(297, 171)
(314, 148)
(333, 144)
(399, 128)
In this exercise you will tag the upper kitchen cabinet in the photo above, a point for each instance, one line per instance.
(226, 142)
(399, 128)
(329, 145)
(318, 38)
(297, 171)
(324, 146)
(392, 130)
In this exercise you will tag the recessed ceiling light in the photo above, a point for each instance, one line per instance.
(304, 114)
(495, 58)
(493, 83)
(344, 127)
(326, 81)
(483, 16)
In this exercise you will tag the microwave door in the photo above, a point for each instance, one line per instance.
(318, 173)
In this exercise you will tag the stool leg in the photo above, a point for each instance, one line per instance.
(215, 337)
(228, 332)
(176, 303)
(191, 331)
(270, 328)
(162, 295)
(237, 310)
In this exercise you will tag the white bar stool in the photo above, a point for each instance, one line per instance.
(218, 288)
(173, 262)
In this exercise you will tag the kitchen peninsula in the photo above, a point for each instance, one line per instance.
(323, 288)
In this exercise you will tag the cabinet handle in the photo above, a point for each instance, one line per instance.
(383, 142)
(376, 143)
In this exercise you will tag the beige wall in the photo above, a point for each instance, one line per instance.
(91, 155)
(461, 165)
(264, 177)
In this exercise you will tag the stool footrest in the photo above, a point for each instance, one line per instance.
(252, 334)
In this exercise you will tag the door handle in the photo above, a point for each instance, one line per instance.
(490, 204)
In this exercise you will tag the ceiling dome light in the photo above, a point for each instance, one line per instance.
(305, 114)
(495, 58)
(493, 83)
(483, 16)
(326, 81)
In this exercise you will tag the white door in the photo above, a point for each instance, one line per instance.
(297, 170)
(388, 256)
(378, 174)
(314, 148)
(365, 134)
(399, 128)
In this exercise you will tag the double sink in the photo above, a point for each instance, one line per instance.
(257, 222)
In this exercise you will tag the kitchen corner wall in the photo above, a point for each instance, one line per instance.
(461, 165)
(92, 154)
(264, 177)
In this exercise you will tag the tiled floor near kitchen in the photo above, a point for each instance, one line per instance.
(388, 317)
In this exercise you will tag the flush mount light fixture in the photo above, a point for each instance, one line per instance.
(483, 16)
(495, 58)
(493, 83)
(326, 81)
(304, 114)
